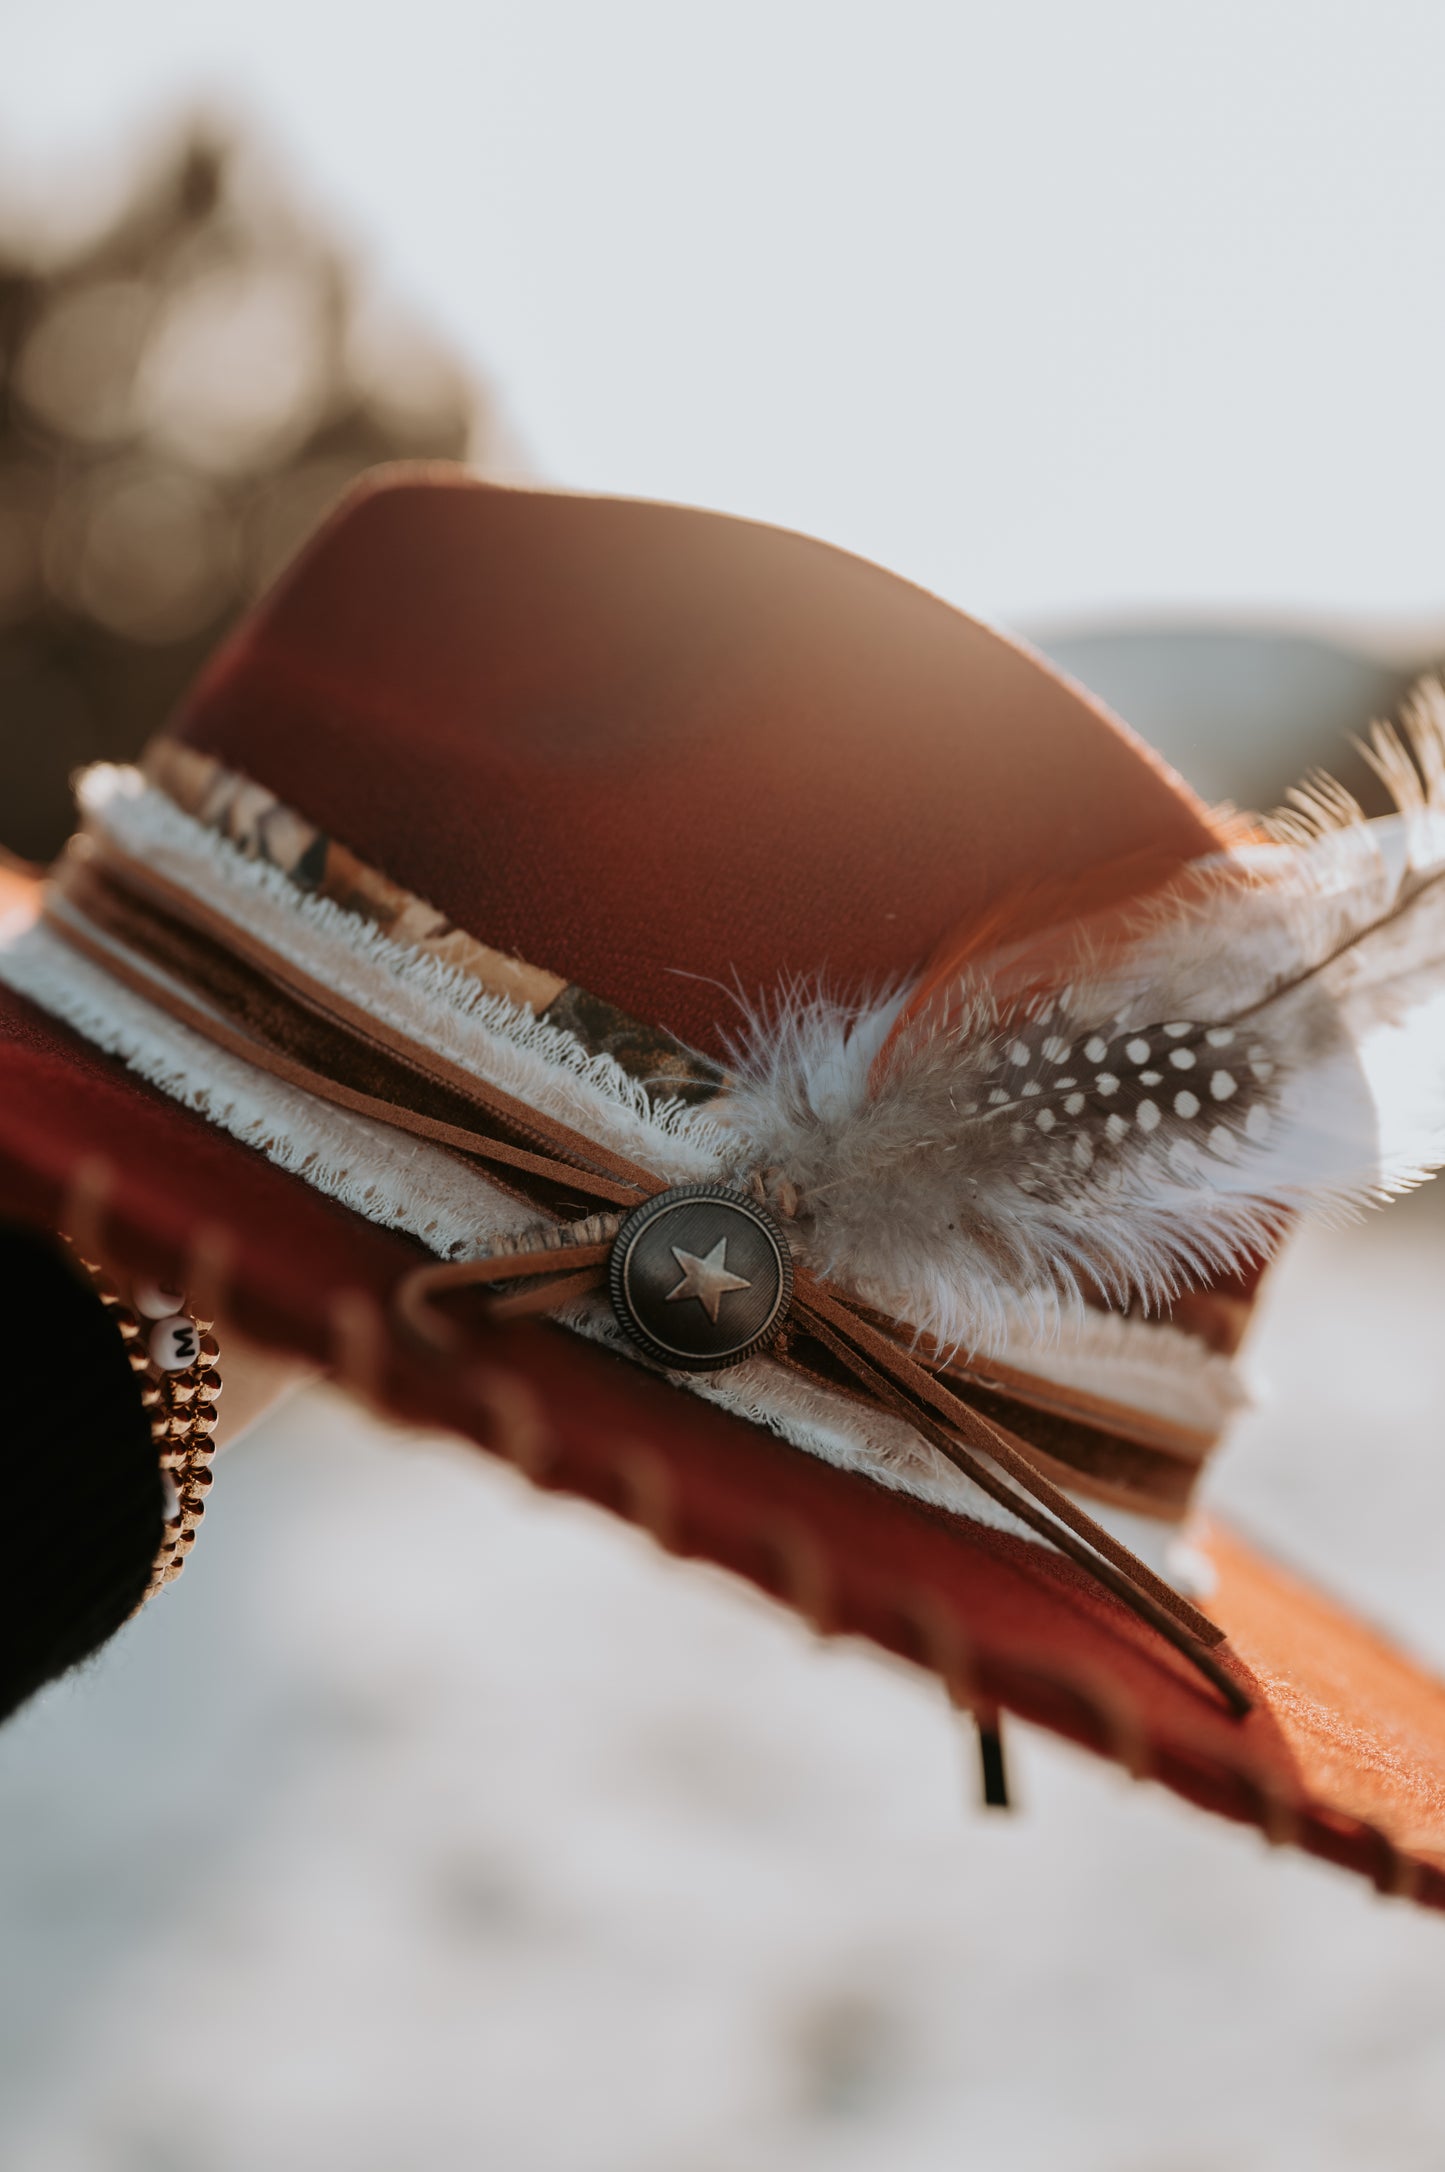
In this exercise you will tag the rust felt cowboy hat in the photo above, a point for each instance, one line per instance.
(707, 1021)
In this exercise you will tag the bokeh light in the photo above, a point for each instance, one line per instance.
(184, 393)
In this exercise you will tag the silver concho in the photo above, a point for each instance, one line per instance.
(700, 1277)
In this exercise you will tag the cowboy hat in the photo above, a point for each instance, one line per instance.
(709, 1022)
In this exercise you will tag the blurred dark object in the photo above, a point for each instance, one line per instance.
(81, 1504)
(180, 402)
(1242, 713)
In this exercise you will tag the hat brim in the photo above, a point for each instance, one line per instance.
(1343, 1754)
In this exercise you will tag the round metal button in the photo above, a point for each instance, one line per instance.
(700, 1277)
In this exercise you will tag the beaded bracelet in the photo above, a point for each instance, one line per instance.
(174, 1355)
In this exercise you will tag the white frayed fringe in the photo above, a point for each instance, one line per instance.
(1144, 1365)
(401, 1182)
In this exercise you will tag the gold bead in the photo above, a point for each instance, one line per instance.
(210, 1348)
(182, 1390)
(150, 1396)
(208, 1387)
(205, 1418)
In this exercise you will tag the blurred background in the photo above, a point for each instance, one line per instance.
(429, 1824)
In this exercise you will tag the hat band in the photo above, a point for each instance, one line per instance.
(230, 986)
(1186, 1392)
(1120, 1409)
(1115, 1451)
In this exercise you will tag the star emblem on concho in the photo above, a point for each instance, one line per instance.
(705, 1279)
(676, 1257)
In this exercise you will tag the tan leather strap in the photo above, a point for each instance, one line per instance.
(1075, 1534)
(416, 1298)
(922, 1389)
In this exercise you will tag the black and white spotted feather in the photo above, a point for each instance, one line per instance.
(1265, 1040)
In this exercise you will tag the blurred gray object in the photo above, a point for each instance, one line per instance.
(1241, 712)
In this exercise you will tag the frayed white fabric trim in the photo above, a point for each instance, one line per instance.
(1145, 1365)
(401, 1182)
(1161, 1370)
(408, 1185)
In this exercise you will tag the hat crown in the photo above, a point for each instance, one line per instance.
(668, 755)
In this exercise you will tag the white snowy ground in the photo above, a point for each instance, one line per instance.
(432, 1826)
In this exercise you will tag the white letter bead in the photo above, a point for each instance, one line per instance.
(175, 1343)
(154, 1303)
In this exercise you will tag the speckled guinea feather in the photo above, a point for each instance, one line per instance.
(1129, 1104)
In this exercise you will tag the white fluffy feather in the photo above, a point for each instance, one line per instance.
(1267, 1040)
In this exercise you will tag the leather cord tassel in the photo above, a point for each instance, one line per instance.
(992, 1764)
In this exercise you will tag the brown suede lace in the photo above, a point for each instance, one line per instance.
(224, 983)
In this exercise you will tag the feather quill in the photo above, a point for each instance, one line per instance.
(1126, 1106)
